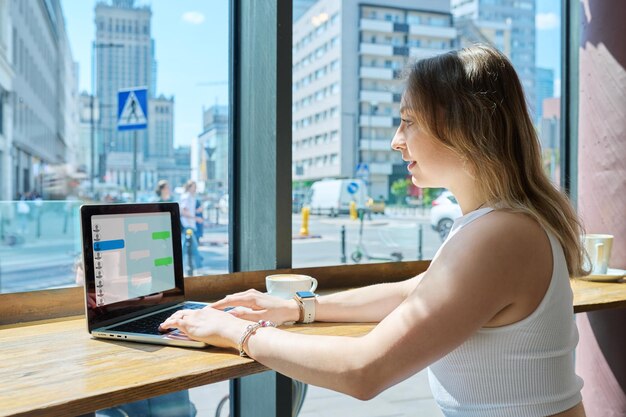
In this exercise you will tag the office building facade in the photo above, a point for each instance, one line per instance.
(6, 109)
(38, 94)
(347, 59)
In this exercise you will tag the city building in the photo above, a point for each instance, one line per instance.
(209, 154)
(6, 111)
(82, 152)
(125, 58)
(300, 7)
(347, 59)
(43, 93)
(544, 80)
(160, 128)
(492, 21)
(550, 136)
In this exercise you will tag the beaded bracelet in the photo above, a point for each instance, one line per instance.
(250, 329)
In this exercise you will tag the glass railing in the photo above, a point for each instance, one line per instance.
(39, 244)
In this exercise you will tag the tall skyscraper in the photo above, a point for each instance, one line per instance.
(210, 152)
(347, 58)
(125, 58)
(544, 89)
(492, 21)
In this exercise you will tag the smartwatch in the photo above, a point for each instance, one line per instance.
(306, 300)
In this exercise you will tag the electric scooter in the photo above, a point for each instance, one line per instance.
(360, 251)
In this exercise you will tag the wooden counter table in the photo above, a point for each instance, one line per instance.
(55, 368)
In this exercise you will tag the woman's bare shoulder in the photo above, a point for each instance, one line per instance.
(500, 247)
(501, 231)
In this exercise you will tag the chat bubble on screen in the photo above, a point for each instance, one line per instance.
(137, 227)
(163, 261)
(161, 235)
(141, 278)
(139, 254)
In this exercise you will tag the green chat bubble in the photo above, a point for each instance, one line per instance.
(163, 261)
(161, 235)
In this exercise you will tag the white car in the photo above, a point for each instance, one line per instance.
(445, 209)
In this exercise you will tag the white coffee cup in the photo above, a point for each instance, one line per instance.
(286, 285)
(598, 247)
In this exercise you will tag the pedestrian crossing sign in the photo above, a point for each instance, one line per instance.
(132, 109)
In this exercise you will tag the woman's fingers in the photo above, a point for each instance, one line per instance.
(244, 299)
(173, 323)
(176, 319)
(247, 314)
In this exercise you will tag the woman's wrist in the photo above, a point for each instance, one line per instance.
(232, 334)
(292, 311)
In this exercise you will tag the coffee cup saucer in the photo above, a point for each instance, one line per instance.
(612, 275)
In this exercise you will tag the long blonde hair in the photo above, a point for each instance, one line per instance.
(473, 102)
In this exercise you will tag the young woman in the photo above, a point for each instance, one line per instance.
(492, 316)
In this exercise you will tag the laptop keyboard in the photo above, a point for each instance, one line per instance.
(150, 324)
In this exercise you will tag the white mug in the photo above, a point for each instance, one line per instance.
(598, 247)
(286, 285)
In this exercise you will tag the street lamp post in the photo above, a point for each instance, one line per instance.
(95, 46)
(355, 127)
(373, 109)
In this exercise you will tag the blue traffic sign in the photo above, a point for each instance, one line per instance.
(132, 109)
(362, 171)
(353, 187)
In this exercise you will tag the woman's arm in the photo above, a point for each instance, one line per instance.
(368, 304)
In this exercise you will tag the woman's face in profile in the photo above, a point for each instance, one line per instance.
(430, 163)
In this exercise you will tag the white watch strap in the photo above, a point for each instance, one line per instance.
(309, 309)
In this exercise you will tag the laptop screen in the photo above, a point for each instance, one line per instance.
(132, 258)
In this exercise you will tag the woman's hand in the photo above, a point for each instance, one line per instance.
(259, 306)
(208, 325)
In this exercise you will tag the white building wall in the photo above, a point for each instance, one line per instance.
(6, 77)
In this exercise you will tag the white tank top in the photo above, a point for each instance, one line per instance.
(524, 369)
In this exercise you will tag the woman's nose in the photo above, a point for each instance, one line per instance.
(397, 143)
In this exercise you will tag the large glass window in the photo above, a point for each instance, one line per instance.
(360, 205)
(62, 65)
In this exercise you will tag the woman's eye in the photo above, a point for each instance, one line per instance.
(406, 122)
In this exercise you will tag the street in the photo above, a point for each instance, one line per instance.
(46, 256)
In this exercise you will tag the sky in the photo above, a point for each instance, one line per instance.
(191, 42)
(548, 38)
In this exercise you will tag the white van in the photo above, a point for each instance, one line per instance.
(333, 197)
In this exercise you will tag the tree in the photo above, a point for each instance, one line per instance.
(399, 189)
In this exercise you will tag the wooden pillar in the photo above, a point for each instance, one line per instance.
(601, 354)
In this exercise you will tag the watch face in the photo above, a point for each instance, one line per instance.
(305, 294)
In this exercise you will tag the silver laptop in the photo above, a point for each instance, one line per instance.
(133, 272)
